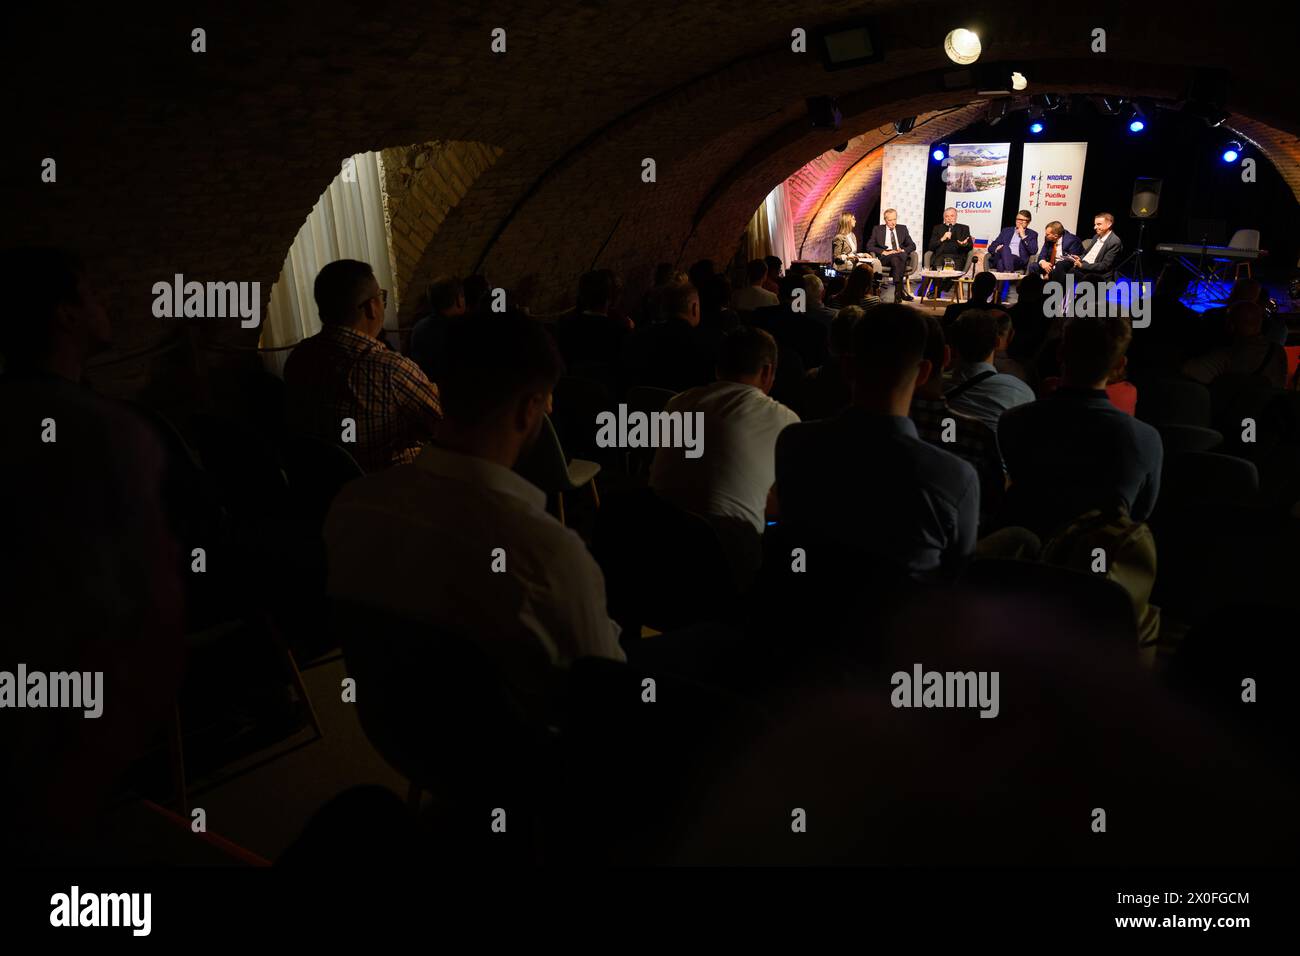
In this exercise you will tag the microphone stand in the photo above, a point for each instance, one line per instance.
(1135, 258)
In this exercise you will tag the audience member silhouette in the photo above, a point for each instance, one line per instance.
(344, 385)
(865, 479)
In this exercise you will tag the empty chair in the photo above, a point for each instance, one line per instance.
(1181, 438)
(547, 467)
(1195, 478)
(1174, 402)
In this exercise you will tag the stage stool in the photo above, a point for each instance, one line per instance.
(1244, 239)
(547, 467)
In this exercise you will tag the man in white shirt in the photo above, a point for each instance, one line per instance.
(729, 483)
(457, 538)
(1101, 252)
(753, 296)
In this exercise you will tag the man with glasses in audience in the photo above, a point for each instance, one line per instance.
(346, 372)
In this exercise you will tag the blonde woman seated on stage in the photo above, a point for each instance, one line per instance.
(844, 247)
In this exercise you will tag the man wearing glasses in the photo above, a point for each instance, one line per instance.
(1015, 246)
(345, 371)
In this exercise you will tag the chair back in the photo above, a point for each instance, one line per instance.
(316, 469)
(1181, 438)
(578, 401)
(435, 705)
(545, 464)
(1098, 605)
(1174, 402)
(664, 567)
(1194, 479)
(1244, 239)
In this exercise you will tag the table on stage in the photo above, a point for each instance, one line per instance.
(962, 278)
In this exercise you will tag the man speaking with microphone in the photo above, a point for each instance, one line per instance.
(948, 240)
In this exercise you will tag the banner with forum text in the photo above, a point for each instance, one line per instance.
(1052, 183)
(976, 174)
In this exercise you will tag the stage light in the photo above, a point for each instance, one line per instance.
(938, 154)
(1018, 81)
(1231, 152)
(1136, 118)
(904, 125)
(962, 46)
(1035, 127)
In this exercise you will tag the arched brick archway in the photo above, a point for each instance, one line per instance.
(207, 164)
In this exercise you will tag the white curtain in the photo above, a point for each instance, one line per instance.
(348, 222)
(770, 231)
(780, 227)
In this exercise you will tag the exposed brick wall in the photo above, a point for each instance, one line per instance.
(207, 164)
(424, 183)
(834, 183)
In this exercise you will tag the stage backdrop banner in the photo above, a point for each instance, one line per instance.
(976, 174)
(1052, 183)
(902, 186)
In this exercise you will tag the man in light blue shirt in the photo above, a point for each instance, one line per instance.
(978, 389)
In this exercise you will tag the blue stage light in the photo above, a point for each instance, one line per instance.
(1035, 127)
(1231, 152)
(1136, 126)
(938, 154)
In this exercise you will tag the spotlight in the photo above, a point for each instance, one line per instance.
(841, 147)
(904, 125)
(1018, 81)
(1048, 101)
(1232, 152)
(938, 154)
(997, 112)
(1110, 105)
(1035, 127)
(1136, 119)
(962, 46)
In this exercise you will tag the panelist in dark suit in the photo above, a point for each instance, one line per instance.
(1053, 260)
(1096, 262)
(1015, 246)
(891, 244)
(949, 239)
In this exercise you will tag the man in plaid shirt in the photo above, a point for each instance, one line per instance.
(346, 371)
(971, 439)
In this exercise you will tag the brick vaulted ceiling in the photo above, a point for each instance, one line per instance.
(207, 164)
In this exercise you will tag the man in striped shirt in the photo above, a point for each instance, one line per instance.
(346, 372)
